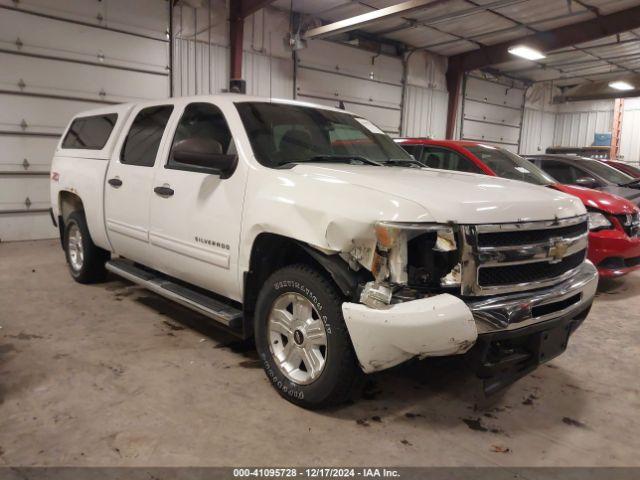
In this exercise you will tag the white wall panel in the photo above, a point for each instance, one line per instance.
(41, 115)
(424, 112)
(365, 82)
(492, 112)
(202, 66)
(25, 74)
(26, 226)
(57, 59)
(44, 36)
(630, 134)
(577, 122)
(37, 151)
(268, 76)
(538, 129)
(145, 17)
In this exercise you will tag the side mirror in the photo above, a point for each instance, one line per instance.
(203, 155)
(587, 182)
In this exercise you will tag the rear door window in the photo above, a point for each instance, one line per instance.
(141, 145)
(90, 133)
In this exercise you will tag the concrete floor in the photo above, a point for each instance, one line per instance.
(113, 375)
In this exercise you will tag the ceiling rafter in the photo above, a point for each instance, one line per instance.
(554, 39)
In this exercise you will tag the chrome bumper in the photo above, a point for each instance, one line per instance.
(510, 312)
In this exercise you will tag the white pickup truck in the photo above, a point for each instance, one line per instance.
(307, 229)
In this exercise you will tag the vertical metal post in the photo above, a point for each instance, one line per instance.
(454, 84)
(195, 50)
(171, 48)
(236, 30)
(209, 47)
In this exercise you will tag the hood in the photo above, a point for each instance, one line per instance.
(630, 194)
(606, 202)
(448, 196)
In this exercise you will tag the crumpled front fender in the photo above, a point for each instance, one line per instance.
(429, 327)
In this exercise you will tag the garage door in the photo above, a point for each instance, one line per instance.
(492, 112)
(59, 58)
(368, 84)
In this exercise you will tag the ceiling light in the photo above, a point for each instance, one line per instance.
(526, 52)
(620, 85)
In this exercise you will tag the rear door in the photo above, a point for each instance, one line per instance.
(130, 182)
(195, 218)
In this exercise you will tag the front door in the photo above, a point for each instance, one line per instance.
(195, 217)
(129, 183)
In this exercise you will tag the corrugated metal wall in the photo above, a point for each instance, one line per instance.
(492, 111)
(577, 122)
(58, 59)
(424, 112)
(201, 61)
(537, 131)
(367, 83)
(630, 134)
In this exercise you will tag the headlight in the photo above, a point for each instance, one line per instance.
(418, 254)
(597, 221)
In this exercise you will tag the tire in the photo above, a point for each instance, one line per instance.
(86, 260)
(314, 308)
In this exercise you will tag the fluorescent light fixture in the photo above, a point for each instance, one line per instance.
(620, 85)
(526, 52)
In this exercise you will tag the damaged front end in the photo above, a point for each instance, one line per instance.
(410, 308)
(447, 289)
(411, 260)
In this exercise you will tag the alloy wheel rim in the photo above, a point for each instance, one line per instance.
(297, 338)
(76, 251)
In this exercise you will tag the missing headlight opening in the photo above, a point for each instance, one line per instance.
(420, 256)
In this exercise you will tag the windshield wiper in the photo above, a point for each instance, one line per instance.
(399, 161)
(335, 158)
(632, 182)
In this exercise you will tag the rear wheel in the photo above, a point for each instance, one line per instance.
(86, 260)
(302, 339)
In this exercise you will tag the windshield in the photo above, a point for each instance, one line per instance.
(509, 165)
(610, 174)
(282, 134)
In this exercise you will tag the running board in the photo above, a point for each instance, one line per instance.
(185, 296)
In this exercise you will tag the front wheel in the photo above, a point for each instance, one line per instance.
(302, 339)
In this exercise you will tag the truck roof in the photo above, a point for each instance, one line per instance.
(232, 97)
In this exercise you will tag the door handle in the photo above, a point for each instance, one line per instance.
(164, 191)
(115, 182)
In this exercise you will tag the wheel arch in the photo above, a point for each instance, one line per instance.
(271, 252)
(68, 202)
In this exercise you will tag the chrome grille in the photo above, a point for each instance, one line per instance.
(503, 258)
(630, 223)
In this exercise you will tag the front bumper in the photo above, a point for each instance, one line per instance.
(445, 325)
(614, 253)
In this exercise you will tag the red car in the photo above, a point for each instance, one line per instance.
(614, 223)
(624, 167)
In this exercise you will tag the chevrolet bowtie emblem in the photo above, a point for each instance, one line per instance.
(558, 250)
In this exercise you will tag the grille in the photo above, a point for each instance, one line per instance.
(632, 228)
(528, 272)
(526, 237)
(548, 308)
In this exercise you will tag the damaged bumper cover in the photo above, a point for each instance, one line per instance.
(444, 324)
